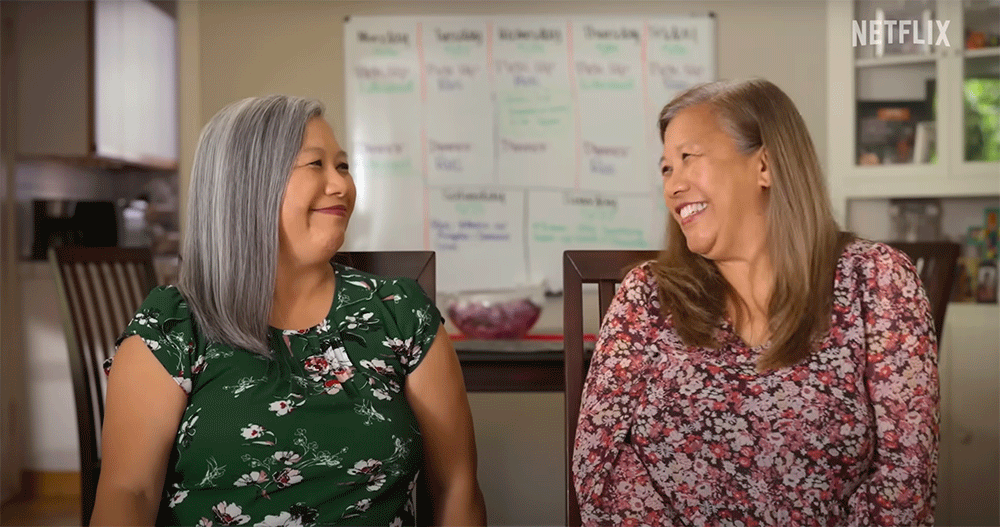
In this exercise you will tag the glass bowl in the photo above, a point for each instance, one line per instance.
(499, 314)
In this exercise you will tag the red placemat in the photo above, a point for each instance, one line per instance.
(588, 337)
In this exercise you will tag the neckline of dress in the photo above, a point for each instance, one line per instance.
(730, 329)
(334, 305)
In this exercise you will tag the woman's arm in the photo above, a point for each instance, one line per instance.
(143, 411)
(612, 484)
(902, 380)
(436, 392)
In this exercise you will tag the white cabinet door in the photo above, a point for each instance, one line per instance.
(968, 487)
(135, 46)
(109, 73)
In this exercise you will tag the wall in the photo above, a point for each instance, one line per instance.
(11, 355)
(235, 49)
(51, 442)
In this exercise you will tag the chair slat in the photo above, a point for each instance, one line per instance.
(97, 299)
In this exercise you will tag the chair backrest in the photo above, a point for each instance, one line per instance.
(418, 265)
(100, 289)
(606, 269)
(936, 263)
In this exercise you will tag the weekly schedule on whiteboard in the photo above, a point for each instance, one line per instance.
(500, 142)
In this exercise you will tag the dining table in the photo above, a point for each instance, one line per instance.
(530, 364)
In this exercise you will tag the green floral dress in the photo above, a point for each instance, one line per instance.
(321, 434)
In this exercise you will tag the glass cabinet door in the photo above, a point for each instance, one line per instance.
(980, 90)
(897, 67)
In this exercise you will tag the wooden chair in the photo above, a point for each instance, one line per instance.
(936, 263)
(606, 269)
(420, 266)
(100, 289)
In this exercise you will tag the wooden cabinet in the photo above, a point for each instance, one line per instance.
(97, 80)
(912, 108)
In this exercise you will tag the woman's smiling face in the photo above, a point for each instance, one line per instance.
(319, 198)
(717, 194)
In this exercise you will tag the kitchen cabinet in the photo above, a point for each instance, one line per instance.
(913, 109)
(97, 81)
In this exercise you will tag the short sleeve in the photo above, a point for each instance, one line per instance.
(164, 322)
(418, 320)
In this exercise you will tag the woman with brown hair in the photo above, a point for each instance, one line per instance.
(768, 369)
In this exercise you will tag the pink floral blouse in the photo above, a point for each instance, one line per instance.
(677, 435)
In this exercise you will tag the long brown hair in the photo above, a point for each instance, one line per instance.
(803, 239)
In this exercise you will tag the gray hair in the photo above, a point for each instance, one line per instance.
(244, 157)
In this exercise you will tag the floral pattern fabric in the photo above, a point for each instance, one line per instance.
(671, 434)
(320, 434)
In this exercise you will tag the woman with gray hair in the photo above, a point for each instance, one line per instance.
(271, 387)
(767, 369)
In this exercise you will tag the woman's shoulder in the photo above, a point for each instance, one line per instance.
(360, 284)
(867, 257)
(641, 277)
(867, 266)
(166, 300)
(639, 293)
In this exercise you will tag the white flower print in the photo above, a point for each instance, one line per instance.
(338, 357)
(378, 365)
(353, 322)
(376, 482)
(199, 365)
(146, 318)
(242, 385)
(317, 366)
(371, 468)
(287, 477)
(285, 519)
(186, 425)
(365, 409)
(212, 472)
(423, 316)
(256, 477)
(332, 386)
(204, 522)
(287, 457)
(152, 344)
(281, 407)
(177, 498)
(406, 350)
(253, 432)
(357, 508)
(365, 466)
(185, 384)
(186, 432)
(398, 522)
(324, 326)
(361, 283)
(230, 514)
(393, 342)
(381, 394)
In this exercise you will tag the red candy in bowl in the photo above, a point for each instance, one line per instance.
(507, 314)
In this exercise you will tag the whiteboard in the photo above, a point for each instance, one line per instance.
(500, 142)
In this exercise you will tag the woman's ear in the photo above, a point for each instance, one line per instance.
(763, 169)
